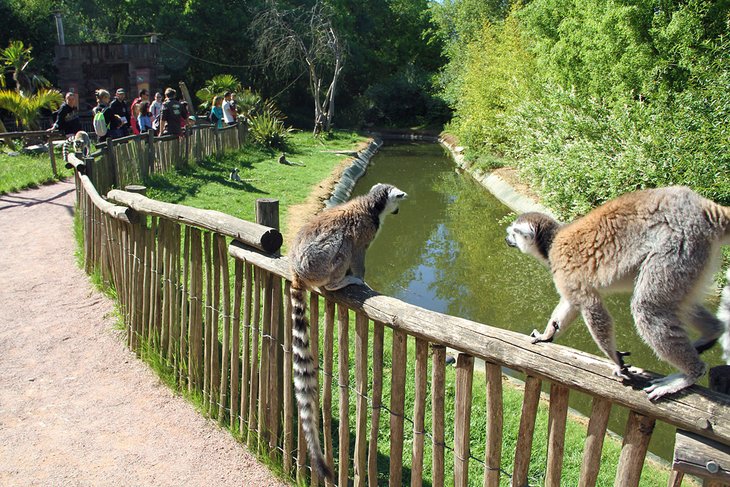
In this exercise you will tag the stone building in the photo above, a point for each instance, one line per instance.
(84, 68)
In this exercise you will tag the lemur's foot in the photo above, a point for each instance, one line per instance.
(344, 282)
(668, 385)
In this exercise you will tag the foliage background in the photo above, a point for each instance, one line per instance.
(592, 98)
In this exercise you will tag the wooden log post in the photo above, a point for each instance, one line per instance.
(361, 378)
(397, 410)
(633, 451)
(377, 395)
(419, 411)
(526, 432)
(343, 344)
(557, 418)
(52, 154)
(438, 403)
(600, 411)
(462, 418)
(495, 419)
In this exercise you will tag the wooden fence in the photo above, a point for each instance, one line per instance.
(210, 294)
(130, 159)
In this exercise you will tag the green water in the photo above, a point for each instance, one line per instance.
(445, 251)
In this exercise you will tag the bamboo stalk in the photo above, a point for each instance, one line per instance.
(361, 379)
(557, 417)
(462, 418)
(343, 353)
(438, 394)
(633, 451)
(600, 411)
(419, 411)
(526, 431)
(493, 452)
(397, 398)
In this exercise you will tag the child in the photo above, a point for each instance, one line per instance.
(144, 121)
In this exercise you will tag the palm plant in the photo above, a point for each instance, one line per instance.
(15, 59)
(26, 109)
(215, 86)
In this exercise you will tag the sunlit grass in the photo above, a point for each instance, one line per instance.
(28, 171)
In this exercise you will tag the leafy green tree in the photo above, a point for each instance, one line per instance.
(26, 109)
(15, 60)
(217, 86)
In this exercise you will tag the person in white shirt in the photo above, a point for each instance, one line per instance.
(155, 110)
(229, 113)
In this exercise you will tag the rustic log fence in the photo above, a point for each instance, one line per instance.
(210, 294)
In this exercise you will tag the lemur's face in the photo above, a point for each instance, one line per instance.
(521, 234)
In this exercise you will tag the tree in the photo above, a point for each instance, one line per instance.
(16, 59)
(26, 109)
(306, 37)
(216, 86)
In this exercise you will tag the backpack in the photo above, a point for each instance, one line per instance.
(100, 126)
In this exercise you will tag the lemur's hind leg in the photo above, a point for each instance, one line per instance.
(710, 328)
(656, 311)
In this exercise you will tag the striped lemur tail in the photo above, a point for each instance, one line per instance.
(723, 314)
(305, 379)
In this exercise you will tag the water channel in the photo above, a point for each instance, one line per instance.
(445, 251)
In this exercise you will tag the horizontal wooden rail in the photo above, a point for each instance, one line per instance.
(259, 236)
(74, 162)
(697, 409)
(119, 212)
(32, 133)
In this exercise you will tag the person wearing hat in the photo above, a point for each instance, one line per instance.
(119, 108)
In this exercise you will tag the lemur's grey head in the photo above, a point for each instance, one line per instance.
(533, 234)
(388, 197)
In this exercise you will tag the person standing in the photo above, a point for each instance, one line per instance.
(229, 114)
(144, 95)
(119, 108)
(155, 110)
(67, 116)
(102, 100)
(216, 113)
(171, 116)
(143, 119)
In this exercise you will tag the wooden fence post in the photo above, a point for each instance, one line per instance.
(52, 154)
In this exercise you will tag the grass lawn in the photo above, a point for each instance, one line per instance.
(29, 171)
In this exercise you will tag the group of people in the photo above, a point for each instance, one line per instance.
(224, 110)
(113, 118)
(168, 117)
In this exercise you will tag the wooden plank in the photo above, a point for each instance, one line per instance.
(377, 397)
(236, 346)
(246, 345)
(361, 404)
(288, 382)
(254, 384)
(633, 451)
(462, 418)
(577, 370)
(419, 412)
(495, 419)
(195, 355)
(397, 410)
(213, 331)
(184, 308)
(264, 398)
(696, 455)
(208, 320)
(557, 418)
(343, 354)
(438, 410)
(329, 325)
(226, 348)
(274, 379)
(593, 446)
(258, 236)
(525, 435)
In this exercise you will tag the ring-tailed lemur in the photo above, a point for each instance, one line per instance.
(665, 243)
(79, 143)
(329, 252)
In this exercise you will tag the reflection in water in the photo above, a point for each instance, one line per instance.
(445, 251)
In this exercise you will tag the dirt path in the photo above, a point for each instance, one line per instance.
(76, 407)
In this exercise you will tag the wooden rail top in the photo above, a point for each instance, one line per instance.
(261, 237)
(697, 409)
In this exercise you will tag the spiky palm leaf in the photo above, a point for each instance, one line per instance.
(215, 86)
(26, 109)
(15, 59)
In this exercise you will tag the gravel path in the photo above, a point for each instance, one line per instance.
(76, 407)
